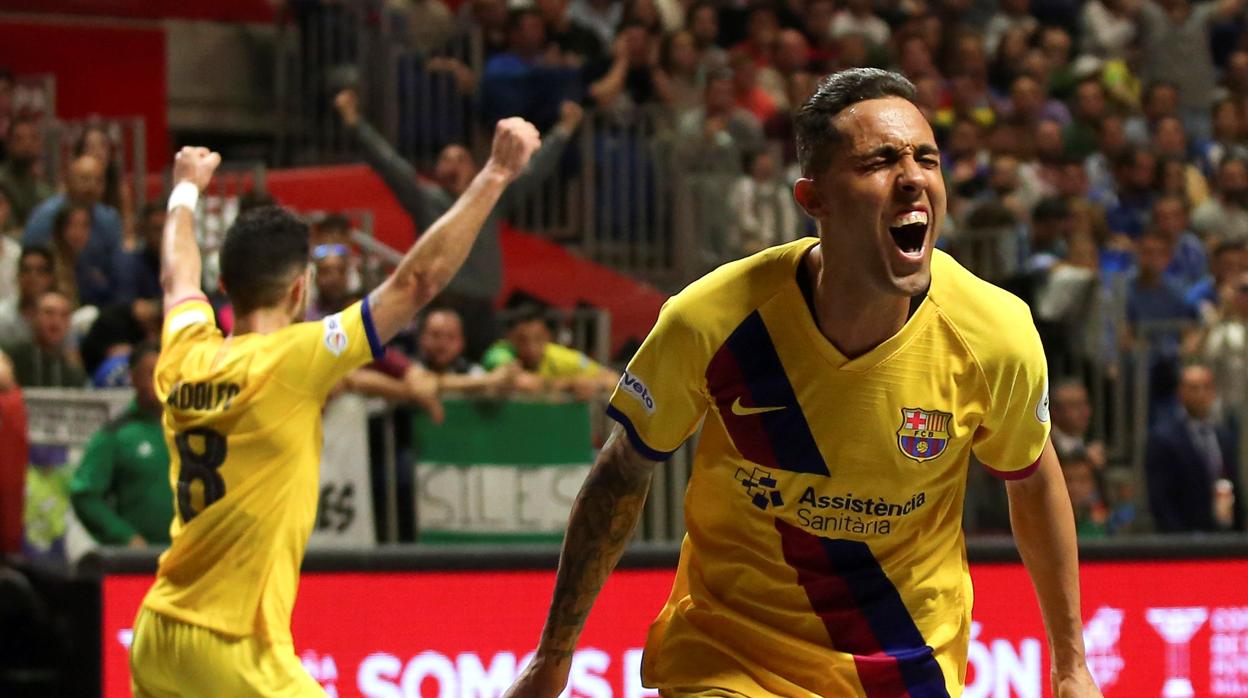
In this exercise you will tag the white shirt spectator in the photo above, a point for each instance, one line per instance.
(1106, 34)
(845, 23)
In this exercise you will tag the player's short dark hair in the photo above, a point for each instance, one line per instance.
(264, 250)
(813, 127)
(141, 350)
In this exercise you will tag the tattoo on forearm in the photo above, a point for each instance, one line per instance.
(603, 518)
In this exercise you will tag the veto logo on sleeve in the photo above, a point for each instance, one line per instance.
(1042, 407)
(335, 335)
(633, 386)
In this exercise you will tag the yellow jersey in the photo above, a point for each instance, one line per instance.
(242, 420)
(824, 554)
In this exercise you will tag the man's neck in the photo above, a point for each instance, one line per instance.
(851, 315)
(262, 321)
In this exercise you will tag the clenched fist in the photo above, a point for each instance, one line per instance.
(195, 165)
(515, 141)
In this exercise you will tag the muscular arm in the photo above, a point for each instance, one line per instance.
(180, 263)
(603, 518)
(1044, 530)
(430, 263)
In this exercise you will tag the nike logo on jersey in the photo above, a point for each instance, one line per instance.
(743, 411)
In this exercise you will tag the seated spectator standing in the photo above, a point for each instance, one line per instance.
(34, 276)
(543, 365)
(84, 186)
(42, 361)
(19, 175)
(1191, 459)
(473, 289)
(120, 490)
(528, 79)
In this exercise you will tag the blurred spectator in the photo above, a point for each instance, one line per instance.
(1235, 75)
(1189, 453)
(1055, 45)
(1189, 263)
(138, 274)
(10, 252)
(441, 348)
(34, 277)
(84, 186)
(703, 24)
(1161, 99)
(1090, 108)
(1065, 305)
(120, 489)
(107, 347)
(1091, 514)
(1230, 259)
(473, 289)
(1176, 48)
(1225, 215)
(96, 142)
(423, 25)
(332, 289)
(1225, 348)
(1029, 104)
(14, 459)
(543, 366)
(601, 16)
(1227, 141)
(630, 79)
(1135, 177)
(1170, 143)
(1007, 60)
(825, 50)
(490, 18)
(749, 95)
(762, 204)
(85, 278)
(574, 39)
(1108, 29)
(21, 175)
(858, 18)
(1111, 144)
(790, 61)
(1120, 491)
(779, 128)
(681, 75)
(528, 78)
(761, 27)
(1072, 423)
(42, 361)
(714, 137)
(1011, 15)
(1156, 311)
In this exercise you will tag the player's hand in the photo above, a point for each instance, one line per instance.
(1078, 684)
(195, 165)
(347, 103)
(515, 141)
(542, 678)
(570, 116)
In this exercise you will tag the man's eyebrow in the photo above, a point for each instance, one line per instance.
(926, 149)
(889, 152)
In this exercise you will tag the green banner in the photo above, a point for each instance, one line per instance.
(500, 471)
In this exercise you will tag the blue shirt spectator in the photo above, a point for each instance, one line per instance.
(85, 186)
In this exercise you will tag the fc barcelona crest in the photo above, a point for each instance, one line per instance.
(923, 434)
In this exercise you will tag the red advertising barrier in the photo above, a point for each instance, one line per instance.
(1175, 628)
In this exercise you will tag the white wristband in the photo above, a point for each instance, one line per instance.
(185, 194)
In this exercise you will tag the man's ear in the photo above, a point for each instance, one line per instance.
(808, 198)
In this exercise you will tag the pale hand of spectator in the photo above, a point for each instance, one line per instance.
(195, 165)
(515, 141)
(570, 116)
(136, 541)
(527, 382)
(1095, 452)
(584, 388)
(422, 386)
(347, 103)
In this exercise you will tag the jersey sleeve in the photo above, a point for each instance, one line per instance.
(661, 396)
(187, 323)
(319, 354)
(1015, 426)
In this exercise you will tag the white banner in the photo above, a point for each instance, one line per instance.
(344, 514)
(485, 499)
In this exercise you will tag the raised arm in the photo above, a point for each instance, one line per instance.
(180, 263)
(439, 253)
(603, 518)
(1044, 530)
(546, 159)
(397, 173)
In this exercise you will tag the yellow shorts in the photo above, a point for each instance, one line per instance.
(172, 659)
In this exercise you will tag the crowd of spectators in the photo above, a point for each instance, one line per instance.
(1095, 153)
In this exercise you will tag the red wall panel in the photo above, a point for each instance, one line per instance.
(100, 70)
(219, 10)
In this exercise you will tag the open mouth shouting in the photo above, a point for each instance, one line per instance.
(909, 232)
